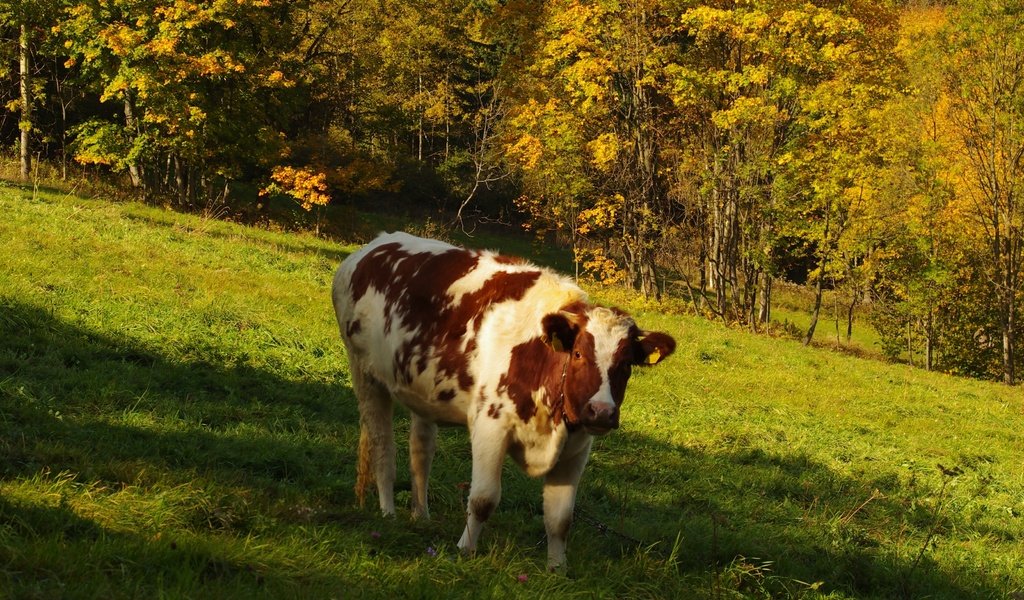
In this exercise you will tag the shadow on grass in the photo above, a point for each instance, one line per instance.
(802, 520)
(81, 401)
(92, 560)
(242, 443)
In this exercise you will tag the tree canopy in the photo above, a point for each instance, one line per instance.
(703, 150)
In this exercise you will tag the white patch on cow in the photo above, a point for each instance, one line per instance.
(541, 441)
(472, 281)
(608, 329)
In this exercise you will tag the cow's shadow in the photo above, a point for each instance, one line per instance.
(107, 410)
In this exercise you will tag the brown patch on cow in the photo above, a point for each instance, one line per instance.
(501, 287)
(415, 288)
(532, 365)
(374, 269)
(493, 411)
(353, 327)
(481, 508)
(446, 395)
(518, 452)
(583, 378)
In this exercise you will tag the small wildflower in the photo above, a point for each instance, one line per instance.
(522, 578)
(375, 535)
(431, 551)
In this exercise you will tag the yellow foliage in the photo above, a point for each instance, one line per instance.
(163, 46)
(599, 266)
(307, 187)
(527, 150)
(280, 79)
(923, 21)
(601, 216)
(604, 150)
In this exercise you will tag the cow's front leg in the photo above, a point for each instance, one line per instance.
(422, 444)
(560, 486)
(489, 446)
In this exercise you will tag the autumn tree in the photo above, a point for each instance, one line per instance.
(774, 96)
(915, 251)
(984, 78)
(590, 130)
(196, 87)
(28, 20)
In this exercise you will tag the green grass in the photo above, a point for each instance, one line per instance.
(176, 420)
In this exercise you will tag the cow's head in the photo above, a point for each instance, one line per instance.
(600, 345)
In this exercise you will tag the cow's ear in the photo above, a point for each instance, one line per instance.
(652, 347)
(559, 331)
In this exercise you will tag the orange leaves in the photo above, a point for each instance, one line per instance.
(309, 188)
(526, 151)
(600, 266)
(120, 39)
(601, 216)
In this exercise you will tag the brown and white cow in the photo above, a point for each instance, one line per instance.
(511, 350)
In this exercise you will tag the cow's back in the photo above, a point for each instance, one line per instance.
(431, 322)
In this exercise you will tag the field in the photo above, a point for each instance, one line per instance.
(176, 421)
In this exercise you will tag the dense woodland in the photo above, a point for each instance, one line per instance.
(700, 150)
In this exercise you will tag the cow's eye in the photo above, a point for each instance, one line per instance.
(577, 355)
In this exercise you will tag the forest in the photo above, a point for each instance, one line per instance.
(702, 151)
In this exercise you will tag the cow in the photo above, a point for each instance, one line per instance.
(512, 351)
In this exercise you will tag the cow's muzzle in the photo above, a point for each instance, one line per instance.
(599, 419)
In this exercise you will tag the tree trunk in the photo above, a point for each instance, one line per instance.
(821, 273)
(1009, 375)
(26, 104)
(130, 125)
(703, 266)
(817, 307)
(764, 312)
(849, 316)
(818, 290)
(419, 122)
(929, 341)
(179, 180)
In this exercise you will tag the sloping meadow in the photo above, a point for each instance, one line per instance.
(176, 420)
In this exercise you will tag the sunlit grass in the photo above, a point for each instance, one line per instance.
(175, 420)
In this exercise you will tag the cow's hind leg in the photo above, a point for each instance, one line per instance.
(422, 444)
(376, 440)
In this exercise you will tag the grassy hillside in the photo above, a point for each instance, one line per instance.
(176, 420)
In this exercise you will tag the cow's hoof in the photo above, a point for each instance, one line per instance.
(558, 568)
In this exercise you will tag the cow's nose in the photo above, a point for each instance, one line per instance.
(600, 416)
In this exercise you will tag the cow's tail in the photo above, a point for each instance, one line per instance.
(364, 468)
